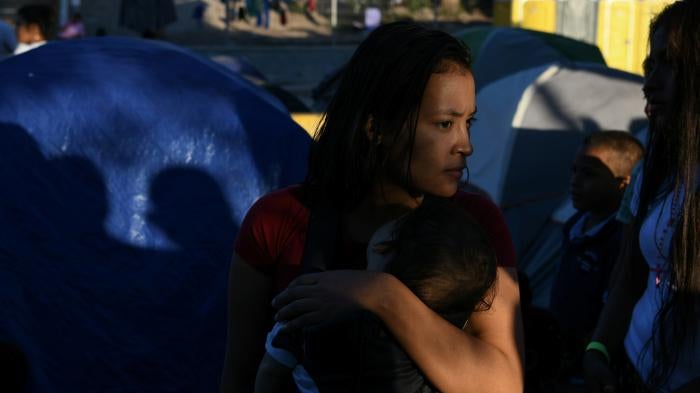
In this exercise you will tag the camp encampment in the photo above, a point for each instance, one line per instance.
(126, 168)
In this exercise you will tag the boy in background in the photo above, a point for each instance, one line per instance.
(592, 237)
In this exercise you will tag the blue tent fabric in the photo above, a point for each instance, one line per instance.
(509, 51)
(126, 167)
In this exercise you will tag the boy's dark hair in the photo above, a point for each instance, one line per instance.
(628, 148)
(380, 93)
(444, 257)
(39, 14)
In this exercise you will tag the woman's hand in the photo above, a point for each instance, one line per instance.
(597, 373)
(313, 298)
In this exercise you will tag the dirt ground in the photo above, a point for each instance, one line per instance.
(300, 28)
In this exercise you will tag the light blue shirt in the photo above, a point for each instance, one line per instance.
(302, 379)
(655, 239)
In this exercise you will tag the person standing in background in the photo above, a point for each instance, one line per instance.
(74, 28)
(648, 336)
(601, 172)
(34, 27)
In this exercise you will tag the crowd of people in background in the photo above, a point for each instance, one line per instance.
(259, 10)
(34, 26)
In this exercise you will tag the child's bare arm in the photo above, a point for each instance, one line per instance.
(272, 376)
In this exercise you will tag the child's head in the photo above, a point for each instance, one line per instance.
(444, 257)
(34, 23)
(602, 170)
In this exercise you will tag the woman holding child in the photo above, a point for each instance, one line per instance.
(396, 132)
(649, 331)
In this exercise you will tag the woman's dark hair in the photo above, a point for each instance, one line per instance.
(40, 15)
(373, 114)
(445, 258)
(671, 167)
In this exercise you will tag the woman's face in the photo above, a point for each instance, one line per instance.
(659, 79)
(442, 140)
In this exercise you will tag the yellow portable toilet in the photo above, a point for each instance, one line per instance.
(623, 31)
(617, 31)
(646, 11)
(529, 14)
(620, 28)
(538, 15)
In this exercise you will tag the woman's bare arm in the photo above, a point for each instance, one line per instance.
(627, 284)
(249, 316)
(489, 360)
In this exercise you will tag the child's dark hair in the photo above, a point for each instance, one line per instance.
(40, 15)
(444, 257)
(628, 148)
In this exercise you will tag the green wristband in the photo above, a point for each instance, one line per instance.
(600, 347)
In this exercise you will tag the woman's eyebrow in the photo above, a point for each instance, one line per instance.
(453, 112)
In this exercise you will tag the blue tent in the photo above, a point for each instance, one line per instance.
(126, 167)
